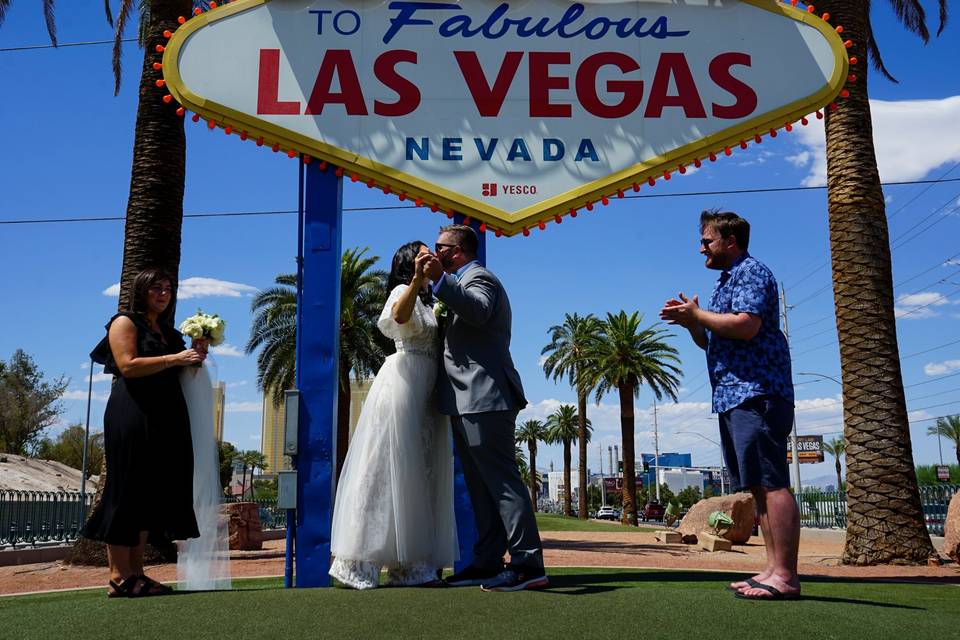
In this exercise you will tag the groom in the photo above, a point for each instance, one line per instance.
(479, 388)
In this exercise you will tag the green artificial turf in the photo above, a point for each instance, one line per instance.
(554, 522)
(580, 603)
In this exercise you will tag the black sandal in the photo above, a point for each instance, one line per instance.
(128, 588)
(155, 588)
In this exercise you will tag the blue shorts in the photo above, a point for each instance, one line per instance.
(754, 437)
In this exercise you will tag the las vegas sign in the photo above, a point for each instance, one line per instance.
(512, 113)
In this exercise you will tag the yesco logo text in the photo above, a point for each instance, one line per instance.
(493, 189)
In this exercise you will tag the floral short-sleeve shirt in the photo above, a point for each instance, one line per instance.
(743, 369)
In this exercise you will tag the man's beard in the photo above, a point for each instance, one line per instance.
(445, 263)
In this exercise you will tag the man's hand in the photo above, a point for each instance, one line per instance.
(430, 265)
(682, 312)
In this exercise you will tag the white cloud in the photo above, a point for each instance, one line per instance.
(234, 385)
(80, 394)
(85, 365)
(911, 138)
(918, 306)
(200, 287)
(802, 159)
(243, 407)
(227, 350)
(940, 368)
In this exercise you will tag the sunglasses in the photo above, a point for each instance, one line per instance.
(437, 247)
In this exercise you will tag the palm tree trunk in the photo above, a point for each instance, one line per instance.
(343, 417)
(839, 476)
(532, 449)
(582, 440)
(567, 510)
(886, 523)
(151, 235)
(629, 465)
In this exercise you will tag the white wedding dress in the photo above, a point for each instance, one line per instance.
(203, 563)
(394, 505)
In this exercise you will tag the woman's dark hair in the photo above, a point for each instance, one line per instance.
(403, 267)
(138, 299)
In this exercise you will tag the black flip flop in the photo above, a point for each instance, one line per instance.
(775, 594)
(751, 583)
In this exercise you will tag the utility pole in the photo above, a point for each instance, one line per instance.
(656, 450)
(603, 488)
(616, 458)
(793, 434)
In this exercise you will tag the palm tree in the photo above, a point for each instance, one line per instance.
(569, 344)
(529, 433)
(363, 348)
(521, 463)
(625, 357)
(836, 448)
(949, 428)
(882, 492)
(563, 426)
(275, 329)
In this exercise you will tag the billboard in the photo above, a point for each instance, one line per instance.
(513, 113)
(810, 448)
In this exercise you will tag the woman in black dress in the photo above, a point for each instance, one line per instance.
(149, 457)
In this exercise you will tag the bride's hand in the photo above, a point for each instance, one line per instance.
(421, 266)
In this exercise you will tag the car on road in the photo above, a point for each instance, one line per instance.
(608, 513)
(653, 511)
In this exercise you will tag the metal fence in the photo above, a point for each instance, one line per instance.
(271, 516)
(828, 509)
(30, 517)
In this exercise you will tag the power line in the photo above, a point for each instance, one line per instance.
(937, 348)
(942, 177)
(233, 214)
(62, 45)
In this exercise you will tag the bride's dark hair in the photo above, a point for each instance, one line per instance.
(403, 268)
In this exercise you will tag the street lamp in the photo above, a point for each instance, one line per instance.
(723, 485)
(796, 453)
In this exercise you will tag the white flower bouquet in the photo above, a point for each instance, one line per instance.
(204, 327)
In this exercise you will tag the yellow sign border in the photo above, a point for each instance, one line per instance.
(542, 212)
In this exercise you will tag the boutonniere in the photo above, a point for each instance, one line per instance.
(440, 310)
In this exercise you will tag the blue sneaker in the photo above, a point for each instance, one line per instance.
(517, 578)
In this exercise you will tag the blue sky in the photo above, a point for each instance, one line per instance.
(67, 153)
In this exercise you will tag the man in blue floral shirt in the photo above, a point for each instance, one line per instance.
(749, 365)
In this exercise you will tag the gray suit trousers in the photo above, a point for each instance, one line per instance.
(501, 502)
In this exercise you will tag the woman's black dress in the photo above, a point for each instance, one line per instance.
(149, 453)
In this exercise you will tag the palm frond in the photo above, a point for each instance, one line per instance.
(126, 7)
(49, 18)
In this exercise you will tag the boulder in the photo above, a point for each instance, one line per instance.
(245, 531)
(739, 506)
(951, 532)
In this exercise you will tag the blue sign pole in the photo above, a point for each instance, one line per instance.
(463, 509)
(317, 358)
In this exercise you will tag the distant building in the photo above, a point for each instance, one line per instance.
(271, 426)
(358, 395)
(219, 402)
(271, 437)
(554, 484)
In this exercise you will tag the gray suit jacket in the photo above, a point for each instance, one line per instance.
(477, 375)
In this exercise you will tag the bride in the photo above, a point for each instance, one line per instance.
(394, 505)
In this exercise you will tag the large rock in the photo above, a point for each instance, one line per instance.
(739, 506)
(951, 541)
(245, 531)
